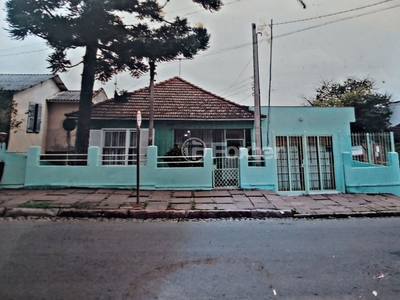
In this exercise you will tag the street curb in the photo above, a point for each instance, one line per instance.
(183, 214)
(93, 213)
(30, 212)
(369, 214)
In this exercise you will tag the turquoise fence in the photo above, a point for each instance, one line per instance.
(117, 176)
(372, 179)
(260, 175)
(12, 168)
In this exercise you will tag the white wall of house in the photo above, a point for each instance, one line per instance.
(20, 140)
(57, 136)
(395, 117)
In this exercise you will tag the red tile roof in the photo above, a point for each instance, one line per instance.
(174, 98)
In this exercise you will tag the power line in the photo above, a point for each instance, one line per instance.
(237, 84)
(20, 53)
(332, 14)
(238, 76)
(335, 21)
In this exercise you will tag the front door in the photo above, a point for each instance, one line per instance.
(226, 169)
(305, 163)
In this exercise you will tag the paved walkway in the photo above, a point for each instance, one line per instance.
(190, 204)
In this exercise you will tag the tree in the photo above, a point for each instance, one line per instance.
(96, 26)
(371, 108)
(167, 43)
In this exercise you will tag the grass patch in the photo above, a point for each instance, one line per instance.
(36, 204)
(193, 206)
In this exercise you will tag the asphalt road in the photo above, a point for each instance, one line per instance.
(271, 259)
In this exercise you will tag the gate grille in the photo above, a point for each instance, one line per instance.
(225, 173)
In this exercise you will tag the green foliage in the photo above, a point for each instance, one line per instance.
(111, 45)
(8, 111)
(371, 108)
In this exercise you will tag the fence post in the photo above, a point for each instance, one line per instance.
(369, 151)
(93, 156)
(392, 148)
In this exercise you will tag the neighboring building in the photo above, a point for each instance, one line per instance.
(58, 139)
(395, 116)
(41, 102)
(29, 92)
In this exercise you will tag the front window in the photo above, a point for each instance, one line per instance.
(119, 147)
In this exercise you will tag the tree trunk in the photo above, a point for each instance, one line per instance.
(151, 108)
(85, 101)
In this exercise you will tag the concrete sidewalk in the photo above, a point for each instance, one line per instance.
(234, 203)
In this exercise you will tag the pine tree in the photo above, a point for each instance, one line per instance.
(110, 46)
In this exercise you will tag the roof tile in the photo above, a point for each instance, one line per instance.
(174, 98)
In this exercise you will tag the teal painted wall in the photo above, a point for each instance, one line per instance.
(14, 168)
(252, 177)
(373, 179)
(312, 121)
(98, 176)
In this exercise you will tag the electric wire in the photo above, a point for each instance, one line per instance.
(332, 14)
(335, 21)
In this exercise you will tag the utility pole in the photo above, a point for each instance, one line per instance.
(269, 85)
(257, 103)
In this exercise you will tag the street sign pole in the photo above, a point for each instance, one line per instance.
(138, 124)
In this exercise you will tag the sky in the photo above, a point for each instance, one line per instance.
(308, 47)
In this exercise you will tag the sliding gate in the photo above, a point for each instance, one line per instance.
(305, 163)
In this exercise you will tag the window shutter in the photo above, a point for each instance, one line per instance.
(38, 117)
(31, 117)
(144, 139)
(95, 138)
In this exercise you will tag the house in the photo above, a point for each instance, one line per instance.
(182, 110)
(33, 109)
(27, 94)
(60, 135)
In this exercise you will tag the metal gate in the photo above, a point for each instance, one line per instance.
(305, 163)
(226, 171)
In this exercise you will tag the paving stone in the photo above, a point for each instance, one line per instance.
(319, 197)
(17, 201)
(339, 208)
(49, 198)
(84, 191)
(95, 198)
(181, 200)
(142, 193)
(240, 198)
(223, 200)
(327, 202)
(181, 206)
(203, 200)
(182, 194)
(236, 192)
(220, 194)
(253, 193)
(162, 194)
(2, 209)
(274, 197)
(206, 206)
(268, 193)
(258, 199)
(206, 194)
(69, 199)
(151, 206)
(244, 205)
(263, 205)
(227, 206)
(123, 192)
